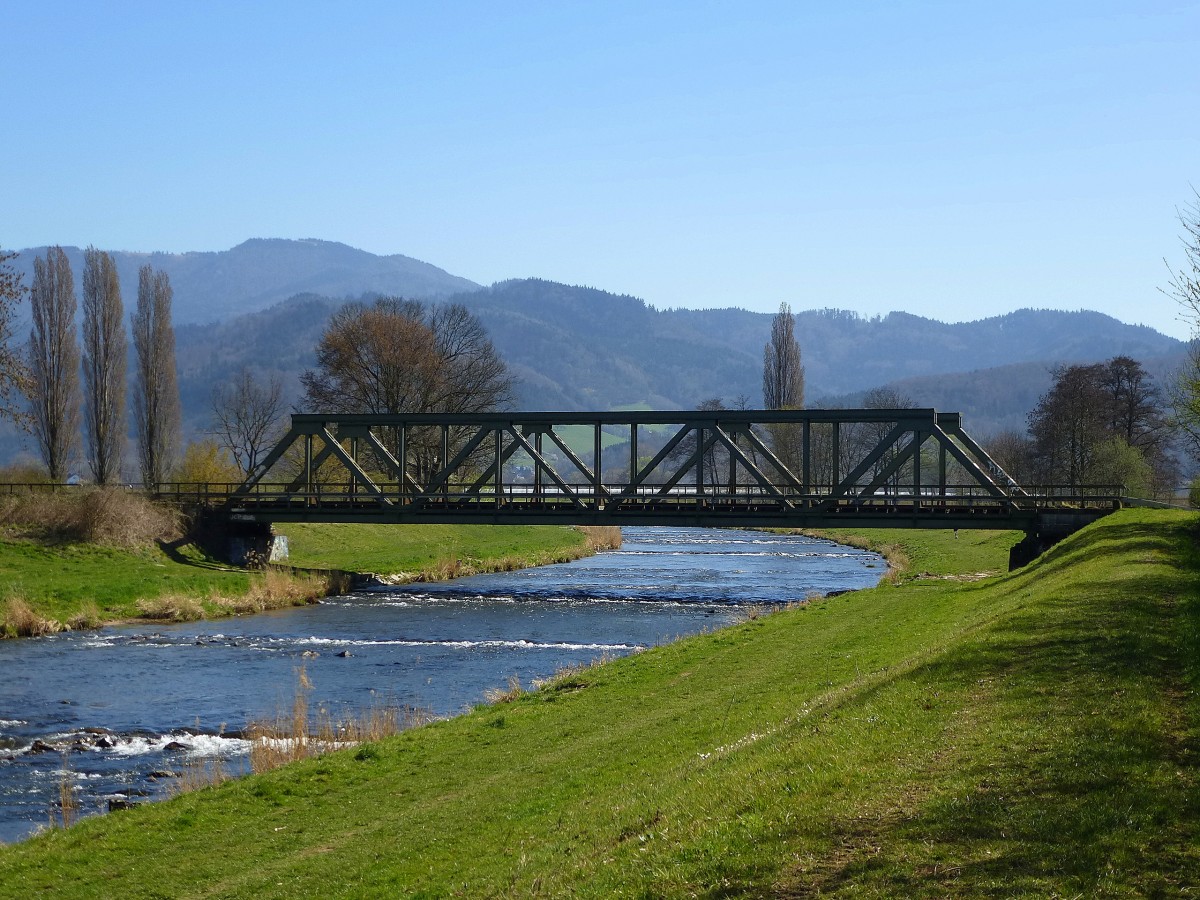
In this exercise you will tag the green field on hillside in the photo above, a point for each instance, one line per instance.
(1027, 734)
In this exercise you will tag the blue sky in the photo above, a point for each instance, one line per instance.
(953, 160)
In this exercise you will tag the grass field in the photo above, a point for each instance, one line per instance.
(1028, 734)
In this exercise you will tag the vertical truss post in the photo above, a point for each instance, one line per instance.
(537, 467)
(733, 467)
(806, 460)
(597, 464)
(836, 464)
(308, 466)
(446, 458)
(633, 451)
(402, 454)
(942, 469)
(917, 439)
(499, 470)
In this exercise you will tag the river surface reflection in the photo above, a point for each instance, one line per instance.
(126, 708)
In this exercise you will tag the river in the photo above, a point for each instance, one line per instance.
(117, 713)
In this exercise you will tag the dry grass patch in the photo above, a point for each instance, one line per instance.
(20, 620)
(104, 515)
(172, 608)
(295, 734)
(507, 694)
(601, 537)
(278, 589)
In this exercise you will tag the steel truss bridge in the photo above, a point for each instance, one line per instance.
(779, 468)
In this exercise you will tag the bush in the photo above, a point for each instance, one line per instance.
(113, 516)
(1194, 492)
(19, 620)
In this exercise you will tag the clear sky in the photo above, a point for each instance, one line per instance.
(954, 160)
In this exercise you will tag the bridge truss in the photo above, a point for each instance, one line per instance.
(779, 468)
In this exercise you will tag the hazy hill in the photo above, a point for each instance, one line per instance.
(260, 272)
(581, 348)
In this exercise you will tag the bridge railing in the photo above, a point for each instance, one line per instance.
(336, 495)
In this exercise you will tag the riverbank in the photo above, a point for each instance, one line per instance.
(47, 585)
(400, 554)
(1028, 733)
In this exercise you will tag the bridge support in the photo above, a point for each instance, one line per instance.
(239, 540)
(1048, 529)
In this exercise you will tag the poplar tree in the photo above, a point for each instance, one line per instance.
(783, 372)
(104, 365)
(783, 384)
(156, 388)
(54, 362)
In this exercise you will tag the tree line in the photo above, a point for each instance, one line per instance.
(64, 411)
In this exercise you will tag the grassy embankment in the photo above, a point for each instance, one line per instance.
(1028, 734)
(68, 560)
(437, 552)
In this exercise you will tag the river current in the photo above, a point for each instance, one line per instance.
(116, 714)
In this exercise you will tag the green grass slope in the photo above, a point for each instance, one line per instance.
(391, 549)
(1030, 734)
(57, 579)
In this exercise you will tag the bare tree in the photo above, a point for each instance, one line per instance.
(246, 416)
(1135, 412)
(54, 362)
(1013, 452)
(105, 358)
(14, 374)
(1068, 424)
(398, 356)
(783, 372)
(156, 387)
(859, 439)
(1185, 399)
(1184, 286)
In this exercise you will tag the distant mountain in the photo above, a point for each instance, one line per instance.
(577, 348)
(258, 273)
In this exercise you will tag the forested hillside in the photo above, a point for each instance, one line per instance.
(578, 348)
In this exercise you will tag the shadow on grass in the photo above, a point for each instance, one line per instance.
(172, 550)
(1083, 773)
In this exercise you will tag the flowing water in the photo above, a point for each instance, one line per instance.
(117, 714)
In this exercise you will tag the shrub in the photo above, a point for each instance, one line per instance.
(174, 609)
(1194, 492)
(103, 515)
(19, 620)
(601, 537)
